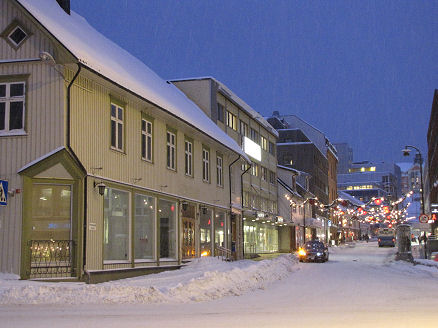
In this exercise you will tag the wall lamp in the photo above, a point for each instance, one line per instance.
(184, 205)
(204, 210)
(100, 186)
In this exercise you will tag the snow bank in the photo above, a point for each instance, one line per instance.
(202, 280)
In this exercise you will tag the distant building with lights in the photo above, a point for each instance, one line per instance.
(431, 175)
(367, 179)
(345, 157)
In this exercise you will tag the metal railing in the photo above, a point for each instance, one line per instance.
(224, 253)
(51, 258)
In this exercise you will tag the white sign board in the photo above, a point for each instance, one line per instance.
(252, 149)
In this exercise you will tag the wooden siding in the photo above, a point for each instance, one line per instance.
(44, 125)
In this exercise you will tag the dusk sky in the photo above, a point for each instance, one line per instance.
(362, 72)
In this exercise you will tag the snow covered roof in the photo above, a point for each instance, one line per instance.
(352, 199)
(96, 52)
(39, 159)
(247, 108)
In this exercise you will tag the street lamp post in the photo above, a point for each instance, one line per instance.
(406, 152)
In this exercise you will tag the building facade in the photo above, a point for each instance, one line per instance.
(255, 205)
(366, 180)
(432, 159)
(345, 156)
(111, 171)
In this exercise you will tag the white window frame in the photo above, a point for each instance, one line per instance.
(7, 100)
(264, 143)
(205, 165)
(188, 157)
(219, 171)
(171, 150)
(145, 136)
(119, 146)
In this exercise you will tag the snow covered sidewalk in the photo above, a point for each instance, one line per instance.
(202, 280)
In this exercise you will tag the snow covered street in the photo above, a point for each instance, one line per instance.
(360, 286)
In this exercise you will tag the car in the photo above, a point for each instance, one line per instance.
(386, 241)
(313, 250)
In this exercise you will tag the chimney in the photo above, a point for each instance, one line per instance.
(65, 5)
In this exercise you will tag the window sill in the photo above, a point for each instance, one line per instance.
(147, 161)
(189, 176)
(116, 262)
(170, 169)
(145, 261)
(122, 152)
(15, 133)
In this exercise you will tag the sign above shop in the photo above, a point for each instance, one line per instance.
(252, 149)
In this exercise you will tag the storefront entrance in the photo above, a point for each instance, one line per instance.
(188, 247)
(51, 244)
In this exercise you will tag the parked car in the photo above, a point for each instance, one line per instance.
(313, 251)
(386, 241)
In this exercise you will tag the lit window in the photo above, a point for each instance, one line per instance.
(171, 150)
(12, 107)
(146, 140)
(255, 170)
(117, 117)
(231, 121)
(264, 173)
(264, 143)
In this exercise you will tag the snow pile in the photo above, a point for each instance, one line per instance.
(202, 280)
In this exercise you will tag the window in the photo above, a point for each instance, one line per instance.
(220, 112)
(188, 150)
(205, 222)
(171, 148)
(254, 136)
(117, 126)
(264, 173)
(271, 148)
(12, 107)
(146, 140)
(116, 225)
(17, 36)
(264, 143)
(255, 170)
(144, 224)
(205, 165)
(272, 177)
(168, 229)
(243, 129)
(219, 171)
(231, 120)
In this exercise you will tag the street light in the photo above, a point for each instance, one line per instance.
(406, 152)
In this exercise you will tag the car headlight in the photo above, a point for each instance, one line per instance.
(319, 254)
(301, 252)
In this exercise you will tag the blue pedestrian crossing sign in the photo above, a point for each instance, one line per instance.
(3, 193)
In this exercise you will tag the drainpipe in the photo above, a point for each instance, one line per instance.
(241, 202)
(229, 184)
(68, 138)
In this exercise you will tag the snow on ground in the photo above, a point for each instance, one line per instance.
(202, 280)
(361, 286)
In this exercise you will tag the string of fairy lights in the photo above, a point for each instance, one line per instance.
(376, 210)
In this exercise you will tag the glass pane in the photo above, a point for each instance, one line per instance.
(2, 90)
(120, 113)
(16, 115)
(113, 110)
(166, 212)
(143, 146)
(116, 225)
(143, 125)
(149, 128)
(168, 156)
(120, 136)
(113, 133)
(18, 35)
(17, 89)
(2, 115)
(51, 212)
(219, 230)
(149, 148)
(205, 229)
(144, 238)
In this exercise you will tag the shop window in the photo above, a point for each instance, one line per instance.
(219, 230)
(205, 231)
(144, 227)
(167, 221)
(116, 225)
